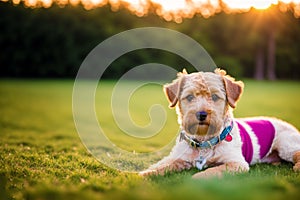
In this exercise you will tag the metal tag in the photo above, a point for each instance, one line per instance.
(200, 163)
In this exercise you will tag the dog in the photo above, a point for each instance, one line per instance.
(211, 139)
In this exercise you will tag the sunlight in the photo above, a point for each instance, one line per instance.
(172, 10)
(257, 4)
(139, 7)
(170, 5)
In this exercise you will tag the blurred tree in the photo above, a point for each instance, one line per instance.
(53, 42)
(267, 25)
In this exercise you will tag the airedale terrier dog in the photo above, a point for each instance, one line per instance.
(211, 139)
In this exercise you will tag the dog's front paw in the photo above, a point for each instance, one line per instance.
(148, 172)
(171, 166)
(231, 168)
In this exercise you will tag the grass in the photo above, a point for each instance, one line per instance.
(42, 156)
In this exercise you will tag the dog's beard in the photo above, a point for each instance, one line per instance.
(201, 129)
(208, 127)
(205, 128)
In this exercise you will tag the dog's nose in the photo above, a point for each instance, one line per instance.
(201, 116)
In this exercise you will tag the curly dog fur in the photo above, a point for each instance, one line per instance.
(204, 103)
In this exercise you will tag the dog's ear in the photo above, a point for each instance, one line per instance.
(172, 90)
(183, 72)
(234, 90)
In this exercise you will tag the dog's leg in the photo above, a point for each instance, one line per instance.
(178, 160)
(232, 167)
(296, 159)
(287, 142)
(161, 168)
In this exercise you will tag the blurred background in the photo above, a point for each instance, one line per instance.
(44, 42)
(51, 38)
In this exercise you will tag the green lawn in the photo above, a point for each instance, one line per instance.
(42, 156)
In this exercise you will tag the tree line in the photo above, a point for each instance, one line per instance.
(53, 42)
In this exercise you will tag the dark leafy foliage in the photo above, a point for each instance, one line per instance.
(53, 42)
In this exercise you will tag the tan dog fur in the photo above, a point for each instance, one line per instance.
(217, 94)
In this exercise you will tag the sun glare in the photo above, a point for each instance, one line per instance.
(257, 4)
(175, 10)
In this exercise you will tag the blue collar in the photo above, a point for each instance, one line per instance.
(209, 143)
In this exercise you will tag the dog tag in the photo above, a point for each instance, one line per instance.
(200, 163)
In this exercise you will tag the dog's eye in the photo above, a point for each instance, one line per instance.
(190, 97)
(215, 97)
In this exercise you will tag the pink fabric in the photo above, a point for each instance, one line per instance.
(247, 147)
(264, 131)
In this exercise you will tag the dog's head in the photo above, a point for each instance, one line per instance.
(203, 100)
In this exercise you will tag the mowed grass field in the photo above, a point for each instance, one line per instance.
(42, 156)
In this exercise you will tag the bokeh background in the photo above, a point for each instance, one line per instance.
(45, 38)
(44, 42)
